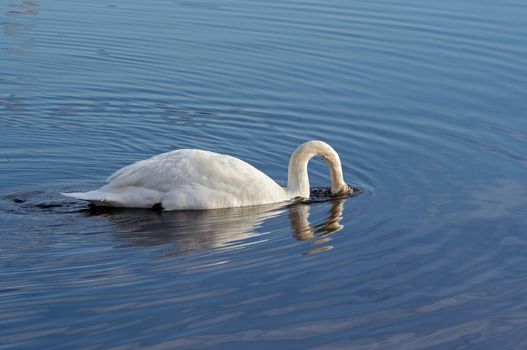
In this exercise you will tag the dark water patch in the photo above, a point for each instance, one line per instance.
(38, 202)
(322, 194)
(49, 205)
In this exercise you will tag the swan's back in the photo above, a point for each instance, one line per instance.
(193, 179)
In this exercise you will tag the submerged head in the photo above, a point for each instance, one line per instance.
(345, 190)
(298, 181)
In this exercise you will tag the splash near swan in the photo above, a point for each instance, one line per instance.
(197, 179)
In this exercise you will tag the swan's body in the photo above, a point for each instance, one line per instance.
(196, 179)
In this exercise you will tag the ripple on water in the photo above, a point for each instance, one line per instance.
(423, 101)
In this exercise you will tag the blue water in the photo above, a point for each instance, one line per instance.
(425, 101)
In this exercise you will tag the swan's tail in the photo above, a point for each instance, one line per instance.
(131, 197)
(96, 197)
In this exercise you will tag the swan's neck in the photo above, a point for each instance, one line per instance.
(297, 179)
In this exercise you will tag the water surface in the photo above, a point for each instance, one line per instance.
(423, 100)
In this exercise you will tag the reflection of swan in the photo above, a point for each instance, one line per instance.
(196, 179)
(303, 231)
(195, 230)
(299, 214)
(189, 229)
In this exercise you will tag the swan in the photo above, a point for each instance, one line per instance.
(196, 179)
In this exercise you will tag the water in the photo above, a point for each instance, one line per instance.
(423, 100)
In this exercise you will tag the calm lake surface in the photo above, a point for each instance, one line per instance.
(425, 101)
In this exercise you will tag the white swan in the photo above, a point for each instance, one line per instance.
(196, 179)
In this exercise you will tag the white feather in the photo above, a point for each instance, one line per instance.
(197, 179)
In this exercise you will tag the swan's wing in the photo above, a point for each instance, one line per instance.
(167, 171)
(129, 174)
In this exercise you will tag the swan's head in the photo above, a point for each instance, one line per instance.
(343, 190)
